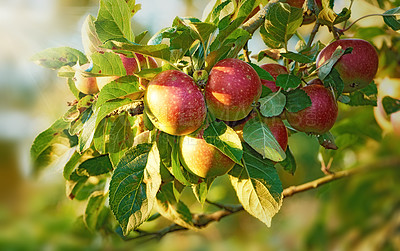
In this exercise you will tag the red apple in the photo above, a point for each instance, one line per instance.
(296, 3)
(203, 159)
(174, 102)
(86, 85)
(320, 116)
(358, 68)
(274, 70)
(232, 87)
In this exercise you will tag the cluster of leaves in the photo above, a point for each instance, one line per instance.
(112, 154)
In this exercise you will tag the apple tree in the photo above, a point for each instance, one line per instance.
(152, 119)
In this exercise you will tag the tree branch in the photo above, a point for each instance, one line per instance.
(202, 220)
(134, 108)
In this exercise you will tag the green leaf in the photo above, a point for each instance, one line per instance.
(298, 57)
(326, 67)
(334, 80)
(328, 17)
(358, 98)
(172, 209)
(176, 167)
(120, 88)
(86, 135)
(201, 189)
(157, 51)
(72, 87)
(113, 21)
(370, 90)
(109, 107)
(93, 209)
(134, 186)
(90, 39)
(55, 58)
(297, 100)
(224, 139)
(95, 166)
(50, 145)
(257, 186)
(263, 74)
(121, 134)
(327, 140)
(391, 105)
(107, 64)
(273, 104)
(287, 81)
(281, 22)
(77, 125)
(140, 37)
(289, 163)
(102, 135)
(261, 139)
(392, 21)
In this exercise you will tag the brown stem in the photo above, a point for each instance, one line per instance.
(132, 109)
(202, 220)
(313, 33)
(370, 15)
(246, 53)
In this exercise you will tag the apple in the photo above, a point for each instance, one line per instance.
(174, 103)
(86, 85)
(388, 87)
(131, 66)
(296, 3)
(232, 87)
(274, 70)
(358, 68)
(320, 116)
(203, 159)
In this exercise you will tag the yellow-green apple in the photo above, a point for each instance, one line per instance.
(175, 103)
(86, 85)
(320, 116)
(358, 68)
(274, 70)
(232, 87)
(201, 158)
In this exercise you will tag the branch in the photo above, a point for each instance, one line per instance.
(202, 220)
(132, 109)
(258, 19)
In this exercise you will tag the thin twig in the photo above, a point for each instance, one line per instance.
(246, 53)
(313, 33)
(370, 15)
(134, 108)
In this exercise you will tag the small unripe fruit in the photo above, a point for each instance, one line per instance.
(358, 68)
(86, 85)
(174, 103)
(320, 116)
(275, 70)
(203, 159)
(232, 87)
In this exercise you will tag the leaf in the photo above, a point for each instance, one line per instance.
(297, 100)
(173, 210)
(327, 141)
(107, 64)
(95, 166)
(109, 107)
(370, 90)
(90, 39)
(86, 135)
(120, 88)
(132, 186)
(113, 21)
(327, 66)
(334, 80)
(176, 167)
(93, 209)
(121, 134)
(392, 21)
(273, 104)
(358, 98)
(328, 17)
(281, 22)
(257, 186)
(157, 51)
(289, 163)
(287, 81)
(391, 105)
(77, 125)
(50, 145)
(102, 135)
(224, 139)
(263, 74)
(201, 189)
(55, 58)
(261, 139)
(298, 57)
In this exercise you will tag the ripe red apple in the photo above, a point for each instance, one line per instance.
(203, 159)
(86, 85)
(296, 3)
(131, 66)
(358, 68)
(320, 116)
(274, 70)
(175, 103)
(232, 87)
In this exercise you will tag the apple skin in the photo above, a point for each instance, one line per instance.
(203, 159)
(232, 87)
(358, 68)
(388, 87)
(296, 3)
(84, 84)
(131, 67)
(175, 103)
(274, 70)
(320, 116)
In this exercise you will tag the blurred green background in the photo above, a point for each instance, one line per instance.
(359, 213)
